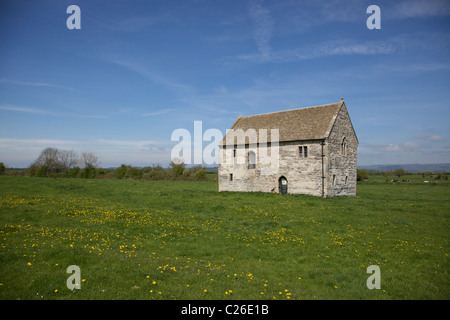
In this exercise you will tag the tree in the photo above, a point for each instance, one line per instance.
(68, 159)
(49, 158)
(2, 168)
(52, 161)
(177, 167)
(198, 173)
(74, 172)
(135, 173)
(89, 162)
(362, 174)
(399, 172)
(47, 163)
(121, 171)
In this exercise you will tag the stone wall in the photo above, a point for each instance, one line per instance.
(303, 174)
(342, 165)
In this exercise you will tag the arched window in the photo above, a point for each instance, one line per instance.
(251, 160)
(344, 147)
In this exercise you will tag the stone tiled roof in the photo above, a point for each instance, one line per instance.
(310, 123)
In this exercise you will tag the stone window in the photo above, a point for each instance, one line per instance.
(251, 160)
(231, 177)
(346, 179)
(344, 147)
(334, 179)
(303, 152)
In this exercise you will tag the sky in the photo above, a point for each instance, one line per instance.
(136, 71)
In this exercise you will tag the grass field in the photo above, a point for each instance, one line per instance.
(184, 240)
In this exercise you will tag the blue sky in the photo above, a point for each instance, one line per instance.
(138, 70)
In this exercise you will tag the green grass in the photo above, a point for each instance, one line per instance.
(184, 240)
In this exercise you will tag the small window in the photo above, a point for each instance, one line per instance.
(334, 179)
(302, 152)
(346, 179)
(251, 160)
(231, 177)
(344, 147)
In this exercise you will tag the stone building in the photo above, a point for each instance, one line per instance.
(306, 151)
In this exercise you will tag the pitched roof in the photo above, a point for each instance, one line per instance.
(309, 123)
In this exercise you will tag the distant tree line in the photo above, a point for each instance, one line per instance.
(53, 162)
(363, 174)
(175, 171)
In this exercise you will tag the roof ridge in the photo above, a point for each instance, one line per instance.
(310, 107)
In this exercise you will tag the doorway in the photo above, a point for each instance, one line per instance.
(283, 185)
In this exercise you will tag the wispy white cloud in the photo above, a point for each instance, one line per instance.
(97, 144)
(430, 138)
(338, 10)
(36, 142)
(329, 48)
(403, 147)
(415, 67)
(158, 112)
(23, 109)
(153, 76)
(128, 144)
(402, 152)
(136, 23)
(419, 9)
(36, 84)
(221, 89)
(263, 27)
